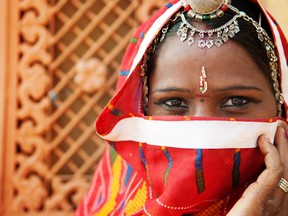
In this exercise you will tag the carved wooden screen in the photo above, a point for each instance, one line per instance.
(68, 59)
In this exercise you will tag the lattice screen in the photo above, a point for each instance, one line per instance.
(84, 30)
(69, 58)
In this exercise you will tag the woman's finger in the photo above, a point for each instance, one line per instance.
(281, 142)
(264, 197)
(271, 154)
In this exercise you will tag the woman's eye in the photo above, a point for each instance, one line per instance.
(236, 101)
(175, 103)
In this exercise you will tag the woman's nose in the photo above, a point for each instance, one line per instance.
(204, 109)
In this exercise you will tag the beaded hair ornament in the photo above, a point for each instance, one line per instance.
(204, 10)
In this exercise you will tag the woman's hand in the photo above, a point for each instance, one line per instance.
(264, 197)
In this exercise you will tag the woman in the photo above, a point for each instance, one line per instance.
(194, 121)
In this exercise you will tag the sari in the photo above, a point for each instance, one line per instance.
(174, 165)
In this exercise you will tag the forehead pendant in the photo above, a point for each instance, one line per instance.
(205, 9)
(203, 84)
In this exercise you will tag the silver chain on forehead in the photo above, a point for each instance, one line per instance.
(186, 32)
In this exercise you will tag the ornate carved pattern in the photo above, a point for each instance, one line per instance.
(69, 194)
(87, 71)
(57, 148)
(34, 107)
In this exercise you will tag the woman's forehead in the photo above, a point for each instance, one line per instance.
(178, 53)
(180, 64)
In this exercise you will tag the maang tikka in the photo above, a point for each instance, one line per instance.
(203, 84)
(203, 10)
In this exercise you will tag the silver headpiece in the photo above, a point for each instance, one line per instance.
(201, 10)
(204, 10)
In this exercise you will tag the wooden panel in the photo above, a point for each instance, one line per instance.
(8, 76)
(3, 77)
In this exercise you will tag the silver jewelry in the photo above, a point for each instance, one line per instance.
(206, 37)
(220, 35)
(283, 185)
(271, 54)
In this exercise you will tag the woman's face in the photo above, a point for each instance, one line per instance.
(236, 85)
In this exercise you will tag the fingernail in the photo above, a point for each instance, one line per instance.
(284, 132)
(268, 139)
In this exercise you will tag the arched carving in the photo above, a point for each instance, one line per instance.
(67, 194)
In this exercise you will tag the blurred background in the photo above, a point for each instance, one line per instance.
(59, 62)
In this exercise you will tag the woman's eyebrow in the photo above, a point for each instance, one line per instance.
(240, 87)
(229, 88)
(172, 89)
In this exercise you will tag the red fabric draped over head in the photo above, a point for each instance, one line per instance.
(149, 171)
